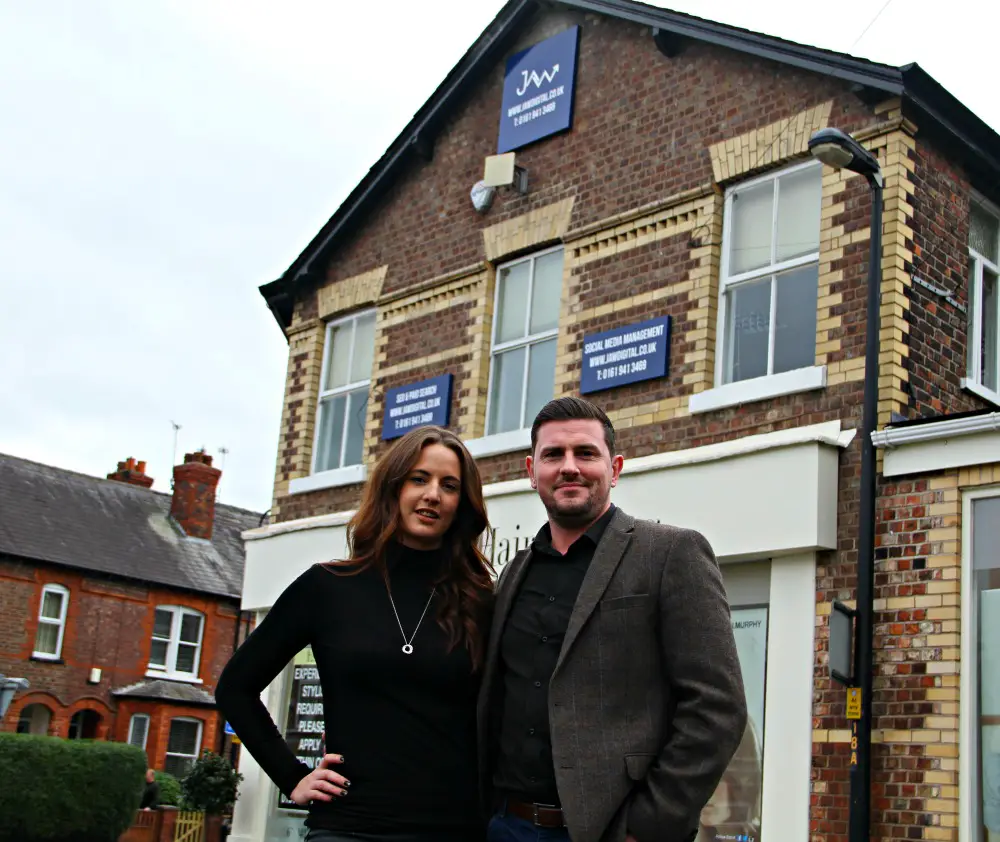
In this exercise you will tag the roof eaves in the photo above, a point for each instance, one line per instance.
(857, 71)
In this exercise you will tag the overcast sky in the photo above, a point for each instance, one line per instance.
(160, 160)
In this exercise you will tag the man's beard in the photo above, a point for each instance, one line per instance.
(573, 514)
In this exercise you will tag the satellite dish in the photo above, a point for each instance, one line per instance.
(482, 196)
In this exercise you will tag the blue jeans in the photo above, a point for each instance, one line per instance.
(507, 828)
(319, 835)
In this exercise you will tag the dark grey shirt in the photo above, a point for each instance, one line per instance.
(529, 649)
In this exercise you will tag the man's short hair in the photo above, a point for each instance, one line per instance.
(573, 409)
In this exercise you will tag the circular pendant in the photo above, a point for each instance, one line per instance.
(407, 649)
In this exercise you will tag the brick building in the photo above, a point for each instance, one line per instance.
(679, 258)
(119, 604)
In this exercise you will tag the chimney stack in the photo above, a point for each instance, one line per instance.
(193, 504)
(132, 473)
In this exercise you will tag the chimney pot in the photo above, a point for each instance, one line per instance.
(132, 473)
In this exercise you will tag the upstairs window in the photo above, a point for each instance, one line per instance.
(176, 646)
(770, 274)
(51, 622)
(344, 385)
(525, 327)
(983, 363)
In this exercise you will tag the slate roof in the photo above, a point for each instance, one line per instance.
(940, 115)
(166, 691)
(104, 526)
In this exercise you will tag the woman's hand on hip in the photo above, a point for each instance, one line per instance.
(322, 783)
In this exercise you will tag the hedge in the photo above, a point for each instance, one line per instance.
(170, 789)
(54, 790)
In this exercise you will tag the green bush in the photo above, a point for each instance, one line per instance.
(211, 785)
(170, 789)
(54, 790)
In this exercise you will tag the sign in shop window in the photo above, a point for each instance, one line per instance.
(538, 91)
(625, 355)
(304, 724)
(416, 405)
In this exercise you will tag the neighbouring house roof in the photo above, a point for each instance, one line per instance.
(166, 691)
(113, 528)
(939, 114)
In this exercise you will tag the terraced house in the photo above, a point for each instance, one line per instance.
(120, 604)
(615, 200)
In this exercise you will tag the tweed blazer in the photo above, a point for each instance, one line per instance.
(646, 703)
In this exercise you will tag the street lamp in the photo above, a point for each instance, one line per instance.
(841, 151)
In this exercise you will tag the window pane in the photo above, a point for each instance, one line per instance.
(749, 317)
(357, 409)
(47, 639)
(158, 654)
(338, 360)
(177, 766)
(971, 349)
(512, 301)
(505, 399)
(986, 578)
(137, 731)
(989, 358)
(331, 432)
(364, 348)
(191, 628)
(186, 656)
(51, 605)
(795, 320)
(541, 378)
(183, 737)
(546, 292)
(984, 233)
(162, 622)
(799, 197)
(751, 228)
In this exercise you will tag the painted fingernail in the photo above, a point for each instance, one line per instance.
(347, 783)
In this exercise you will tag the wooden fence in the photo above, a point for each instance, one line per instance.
(170, 825)
(189, 827)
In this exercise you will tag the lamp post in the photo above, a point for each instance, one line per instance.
(841, 151)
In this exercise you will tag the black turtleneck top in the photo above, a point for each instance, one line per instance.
(405, 724)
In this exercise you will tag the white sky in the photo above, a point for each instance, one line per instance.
(160, 160)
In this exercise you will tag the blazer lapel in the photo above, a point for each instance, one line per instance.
(607, 557)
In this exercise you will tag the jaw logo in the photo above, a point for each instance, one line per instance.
(536, 79)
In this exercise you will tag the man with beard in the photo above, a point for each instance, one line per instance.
(612, 699)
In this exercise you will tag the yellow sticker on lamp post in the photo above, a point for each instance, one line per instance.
(854, 703)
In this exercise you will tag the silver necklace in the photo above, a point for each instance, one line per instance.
(408, 644)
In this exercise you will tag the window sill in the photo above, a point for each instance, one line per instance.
(351, 475)
(174, 676)
(47, 659)
(759, 389)
(979, 390)
(499, 443)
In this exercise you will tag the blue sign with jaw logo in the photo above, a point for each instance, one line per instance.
(625, 355)
(538, 91)
(416, 405)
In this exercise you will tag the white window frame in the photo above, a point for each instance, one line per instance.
(197, 748)
(973, 380)
(63, 592)
(138, 717)
(515, 436)
(968, 724)
(170, 669)
(346, 474)
(768, 385)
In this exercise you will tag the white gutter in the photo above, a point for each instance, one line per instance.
(936, 430)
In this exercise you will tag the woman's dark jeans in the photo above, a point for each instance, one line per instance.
(317, 835)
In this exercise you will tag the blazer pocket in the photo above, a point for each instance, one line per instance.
(618, 603)
(637, 765)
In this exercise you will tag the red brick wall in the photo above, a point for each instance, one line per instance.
(109, 625)
(938, 329)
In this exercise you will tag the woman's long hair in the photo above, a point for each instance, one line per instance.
(465, 581)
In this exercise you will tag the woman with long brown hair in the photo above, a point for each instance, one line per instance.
(397, 631)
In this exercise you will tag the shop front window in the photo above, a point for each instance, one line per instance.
(734, 810)
(985, 723)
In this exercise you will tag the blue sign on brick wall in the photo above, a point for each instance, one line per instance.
(538, 91)
(625, 355)
(416, 405)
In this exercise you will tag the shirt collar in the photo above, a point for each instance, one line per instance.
(594, 533)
